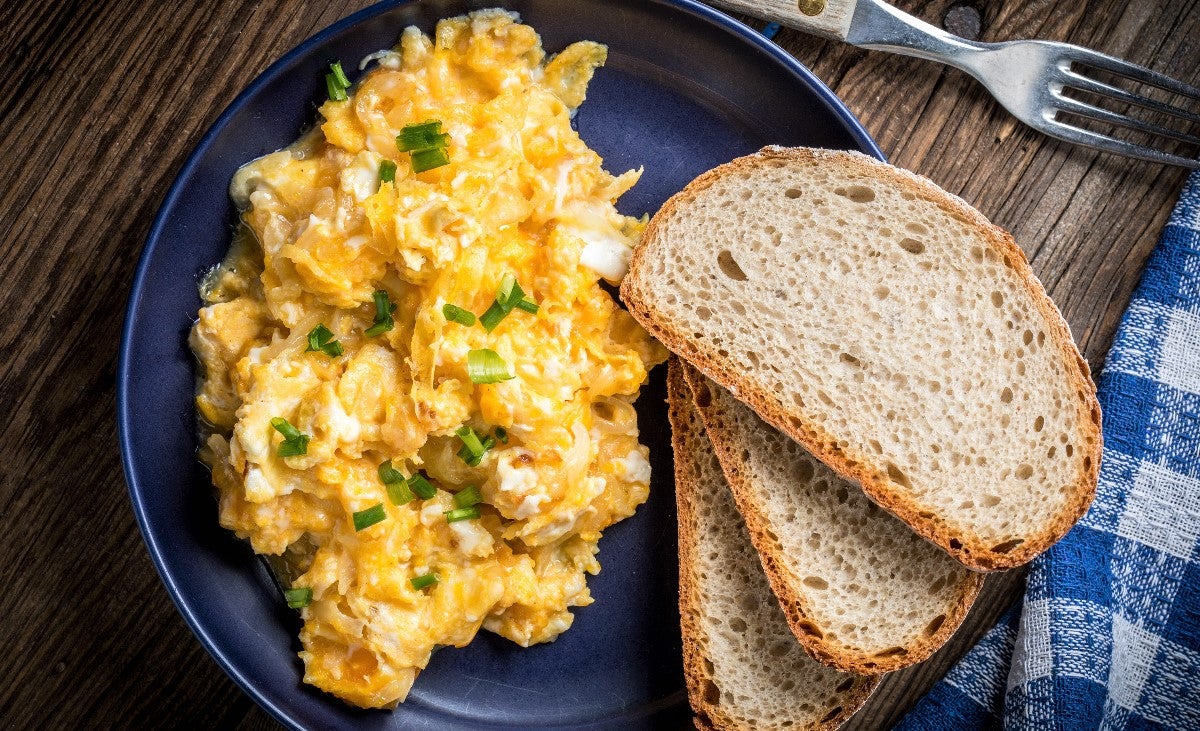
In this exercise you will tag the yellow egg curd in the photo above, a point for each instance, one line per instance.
(415, 474)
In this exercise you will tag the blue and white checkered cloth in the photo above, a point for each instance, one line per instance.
(1108, 635)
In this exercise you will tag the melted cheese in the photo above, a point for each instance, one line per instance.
(523, 194)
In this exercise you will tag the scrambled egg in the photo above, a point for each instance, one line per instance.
(323, 233)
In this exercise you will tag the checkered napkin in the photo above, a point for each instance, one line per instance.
(1108, 635)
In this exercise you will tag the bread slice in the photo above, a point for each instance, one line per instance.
(744, 669)
(861, 591)
(889, 328)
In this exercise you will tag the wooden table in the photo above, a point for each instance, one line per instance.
(105, 99)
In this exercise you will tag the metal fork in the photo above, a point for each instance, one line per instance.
(1028, 77)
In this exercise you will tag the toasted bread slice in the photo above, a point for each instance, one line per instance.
(744, 668)
(861, 591)
(889, 328)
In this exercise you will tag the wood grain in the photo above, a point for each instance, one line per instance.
(104, 101)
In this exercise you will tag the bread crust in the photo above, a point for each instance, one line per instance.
(971, 551)
(709, 717)
(795, 606)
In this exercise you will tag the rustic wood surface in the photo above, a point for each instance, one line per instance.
(104, 101)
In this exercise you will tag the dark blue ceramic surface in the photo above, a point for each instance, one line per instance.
(685, 89)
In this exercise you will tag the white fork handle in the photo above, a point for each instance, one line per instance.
(828, 18)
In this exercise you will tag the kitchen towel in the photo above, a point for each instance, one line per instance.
(1108, 633)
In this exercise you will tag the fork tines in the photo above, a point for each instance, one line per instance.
(1171, 122)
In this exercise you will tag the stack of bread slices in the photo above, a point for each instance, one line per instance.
(873, 402)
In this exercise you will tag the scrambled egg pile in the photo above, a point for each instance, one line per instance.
(329, 361)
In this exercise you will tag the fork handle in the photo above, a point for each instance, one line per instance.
(828, 18)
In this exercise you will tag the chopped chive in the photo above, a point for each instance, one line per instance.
(294, 447)
(317, 337)
(320, 338)
(473, 448)
(284, 427)
(492, 316)
(379, 328)
(383, 304)
(366, 518)
(454, 313)
(486, 366)
(424, 136)
(294, 443)
(387, 171)
(509, 296)
(399, 493)
(415, 142)
(432, 127)
(389, 475)
(383, 314)
(298, 598)
(424, 580)
(473, 459)
(434, 157)
(467, 497)
(336, 91)
(421, 485)
(504, 292)
(397, 486)
(471, 513)
(470, 440)
(335, 68)
(501, 434)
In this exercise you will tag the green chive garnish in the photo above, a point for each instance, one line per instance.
(397, 486)
(486, 366)
(295, 448)
(417, 142)
(387, 171)
(366, 518)
(294, 443)
(454, 313)
(379, 328)
(434, 157)
(501, 434)
(424, 580)
(421, 485)
(383, 314)
(424, 136)
(298, 598)
(427, 144)
(471, 513)
(504, 293)
(399, 493)
(509, 296)
(336, 93)
(473, 449)
(336, 82)
(320, 338)
(467, 497)
(284, 427)
(492, 316)
(339, 76)
(389, 475)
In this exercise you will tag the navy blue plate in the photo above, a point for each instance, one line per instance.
(685, 89)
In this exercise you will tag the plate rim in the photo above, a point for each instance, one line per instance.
(716, 17)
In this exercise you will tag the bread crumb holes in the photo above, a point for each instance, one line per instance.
(856, 193)
(729, 266)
